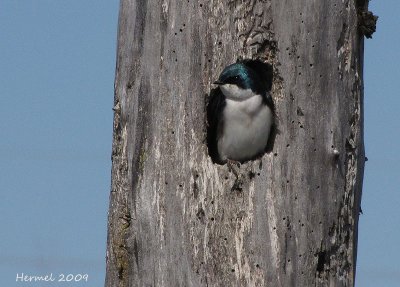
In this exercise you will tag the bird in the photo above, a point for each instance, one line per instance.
(241, 113)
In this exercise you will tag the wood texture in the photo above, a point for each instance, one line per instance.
(177, 219)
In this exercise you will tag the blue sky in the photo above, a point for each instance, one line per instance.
(56, 93)
(56, 85)
(379, 235)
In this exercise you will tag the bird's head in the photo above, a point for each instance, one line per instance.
(238, 82)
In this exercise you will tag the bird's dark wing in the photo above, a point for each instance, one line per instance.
(272, 135)
(265, 73)
(215, 106)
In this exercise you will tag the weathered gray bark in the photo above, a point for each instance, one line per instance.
(177, 219)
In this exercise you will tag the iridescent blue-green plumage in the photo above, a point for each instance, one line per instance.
(246, 77)
(238, 124)
(250, 74)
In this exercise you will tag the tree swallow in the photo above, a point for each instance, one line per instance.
(241, 113)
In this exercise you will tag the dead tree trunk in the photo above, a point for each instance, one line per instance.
(177, 219)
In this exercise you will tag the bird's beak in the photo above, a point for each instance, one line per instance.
(218, 83)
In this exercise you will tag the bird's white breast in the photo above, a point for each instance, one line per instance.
(246, 129)
(233, 92)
